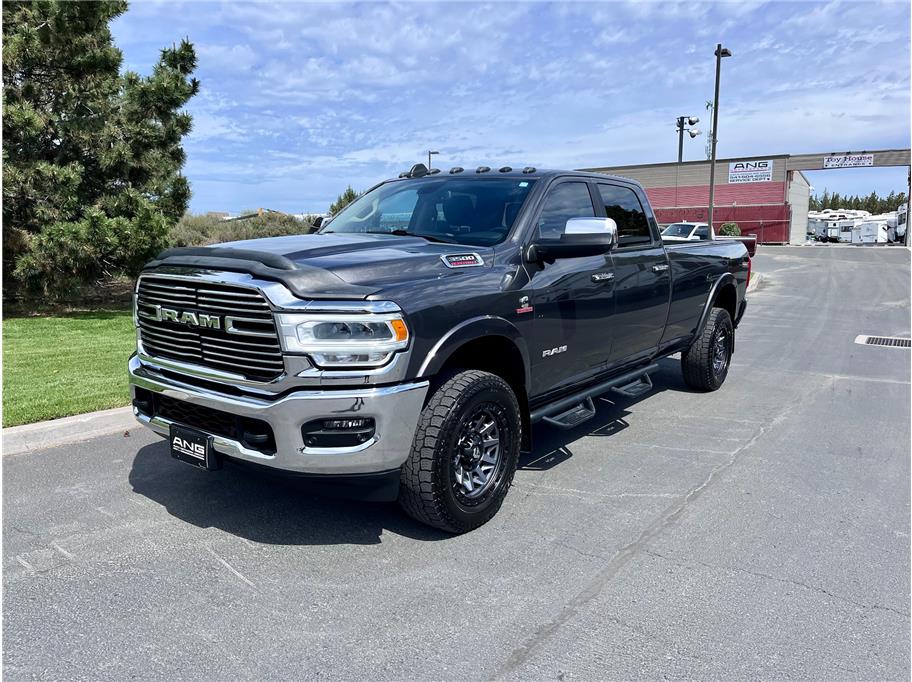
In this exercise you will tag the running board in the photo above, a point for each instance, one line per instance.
(575, 416)
(635, 388)
(578, 407)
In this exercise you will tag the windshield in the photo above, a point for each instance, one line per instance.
(476, 212)
(678, 230)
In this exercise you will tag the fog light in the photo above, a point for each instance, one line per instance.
(338, 433)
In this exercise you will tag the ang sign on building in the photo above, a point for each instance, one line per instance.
(848, 161)
(750, 171)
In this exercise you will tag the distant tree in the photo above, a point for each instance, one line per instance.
(825, 200)
(729, 230)
(873, 203)
(202, 230)
(343, 200)
(91, 157)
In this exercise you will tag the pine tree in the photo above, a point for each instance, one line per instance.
(91, 157)
(343, 200)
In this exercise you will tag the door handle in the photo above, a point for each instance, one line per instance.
(603, 277)
(662, 267)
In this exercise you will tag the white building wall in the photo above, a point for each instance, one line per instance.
(799, 196)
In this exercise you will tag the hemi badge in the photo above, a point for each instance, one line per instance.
(462, 260)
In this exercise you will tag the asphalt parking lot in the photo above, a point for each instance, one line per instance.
(761, 531)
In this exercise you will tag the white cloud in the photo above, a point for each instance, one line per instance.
(216, 56)
(302, 99)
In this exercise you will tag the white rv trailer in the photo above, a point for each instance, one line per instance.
(816, 228)
(873, 231)
(890, 219)
(856, 234)
(902, 219)
(845, 228)
(835, 225)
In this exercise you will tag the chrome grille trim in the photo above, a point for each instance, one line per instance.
(218, 349)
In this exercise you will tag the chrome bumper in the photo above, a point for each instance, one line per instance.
(395, 410)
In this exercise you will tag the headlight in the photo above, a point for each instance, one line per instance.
(343, 340)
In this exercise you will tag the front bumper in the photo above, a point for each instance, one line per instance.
(395, 410)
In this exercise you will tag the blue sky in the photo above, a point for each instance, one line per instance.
(299, 100)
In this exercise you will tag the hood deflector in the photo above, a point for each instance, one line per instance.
(304, 281)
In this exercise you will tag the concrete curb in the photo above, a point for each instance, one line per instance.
(56, 432)
(756, 280)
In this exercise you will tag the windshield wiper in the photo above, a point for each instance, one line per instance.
(406, 233)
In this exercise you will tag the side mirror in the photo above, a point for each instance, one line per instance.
(318, 222)
(581, 237)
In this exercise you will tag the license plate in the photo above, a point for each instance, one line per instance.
(193, 447)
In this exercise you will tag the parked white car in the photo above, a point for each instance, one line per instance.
(687, 232)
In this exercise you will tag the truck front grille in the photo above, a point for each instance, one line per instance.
(254, 353)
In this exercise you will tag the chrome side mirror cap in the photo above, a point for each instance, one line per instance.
(593, 226)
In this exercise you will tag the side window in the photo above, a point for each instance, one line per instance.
(564, 201)
(622, 206)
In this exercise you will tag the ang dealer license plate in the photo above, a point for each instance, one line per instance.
(193, 447)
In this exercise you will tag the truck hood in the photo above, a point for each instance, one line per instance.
(373, 260)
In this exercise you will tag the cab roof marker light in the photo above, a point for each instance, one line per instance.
(528, 169)
(482, 169)
(433, 171)
(456, 169)
(505, 169)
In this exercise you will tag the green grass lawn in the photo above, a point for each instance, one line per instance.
(55, 366)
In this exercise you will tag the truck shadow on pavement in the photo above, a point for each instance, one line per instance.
(552, 445)
(265, 508)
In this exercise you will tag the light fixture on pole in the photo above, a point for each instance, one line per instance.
(693, 132)
(429, 157)
(714, 133)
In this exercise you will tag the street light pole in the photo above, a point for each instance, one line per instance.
(720, 52)
(693, 132)
(429, 157)
(680, 139)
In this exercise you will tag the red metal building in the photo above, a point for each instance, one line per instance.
(760, 194)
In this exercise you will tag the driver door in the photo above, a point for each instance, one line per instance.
(573, 298)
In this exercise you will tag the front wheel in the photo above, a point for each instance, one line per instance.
(705, 364)
(465, 453)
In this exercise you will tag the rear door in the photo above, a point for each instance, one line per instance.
(642, 276)
(572, 297)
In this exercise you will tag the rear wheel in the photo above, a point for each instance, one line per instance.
(705, 364)
(465, 453)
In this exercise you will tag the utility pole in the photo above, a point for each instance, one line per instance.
(429, 157)
(720, 52)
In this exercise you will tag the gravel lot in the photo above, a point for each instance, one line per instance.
(761, 531)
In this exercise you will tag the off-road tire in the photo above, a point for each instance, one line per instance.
(697, 363)
(426, 490)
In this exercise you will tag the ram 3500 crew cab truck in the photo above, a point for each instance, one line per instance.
(412, 341)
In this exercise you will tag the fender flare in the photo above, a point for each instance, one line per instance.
(470, 330)
(724, 280)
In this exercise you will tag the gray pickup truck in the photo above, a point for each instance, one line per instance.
(411, 343)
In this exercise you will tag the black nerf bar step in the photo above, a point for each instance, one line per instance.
(635, 388)
(575, 416)
(576, 401)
